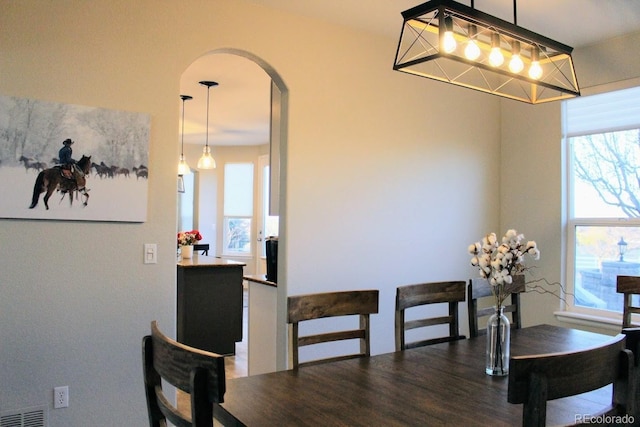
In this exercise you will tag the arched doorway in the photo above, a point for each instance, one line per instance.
(237, 131)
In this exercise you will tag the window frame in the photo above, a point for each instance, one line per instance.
(250, 217)
(599, 315)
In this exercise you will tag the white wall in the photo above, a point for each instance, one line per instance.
(389, 177)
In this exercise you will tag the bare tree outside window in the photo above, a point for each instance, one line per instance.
(606, 175)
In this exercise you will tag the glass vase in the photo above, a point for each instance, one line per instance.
(498, 343)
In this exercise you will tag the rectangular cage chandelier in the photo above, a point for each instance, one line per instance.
(454, 43)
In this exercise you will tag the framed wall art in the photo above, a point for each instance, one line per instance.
(72, 162)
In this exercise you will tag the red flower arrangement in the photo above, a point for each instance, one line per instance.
(187, 238)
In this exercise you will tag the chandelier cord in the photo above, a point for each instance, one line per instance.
(515, 10)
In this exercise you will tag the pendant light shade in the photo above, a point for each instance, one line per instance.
(207, 161)
(183, 167)
(454, 43)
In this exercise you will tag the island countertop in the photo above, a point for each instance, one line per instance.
(208, 261)
(259, 278)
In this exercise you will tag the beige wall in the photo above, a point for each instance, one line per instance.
(389, 178)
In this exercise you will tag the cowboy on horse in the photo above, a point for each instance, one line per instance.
(68, 166)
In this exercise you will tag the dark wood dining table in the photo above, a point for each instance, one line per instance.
(443, 384)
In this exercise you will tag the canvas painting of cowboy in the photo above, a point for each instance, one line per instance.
(71, 162)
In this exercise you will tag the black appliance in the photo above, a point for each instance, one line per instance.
(272, 258)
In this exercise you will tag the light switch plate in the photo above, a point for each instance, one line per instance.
(150, 253)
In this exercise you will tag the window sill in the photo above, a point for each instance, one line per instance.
(589, 320)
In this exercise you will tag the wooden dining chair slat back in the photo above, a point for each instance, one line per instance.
(534, 380)
(196, 372)
(301, 308)
(633, 344)
(480, 290)
(628, 286)
(422, 294)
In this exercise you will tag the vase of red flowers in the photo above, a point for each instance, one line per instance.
(186, 240)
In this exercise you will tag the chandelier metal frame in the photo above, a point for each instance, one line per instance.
(434, 40)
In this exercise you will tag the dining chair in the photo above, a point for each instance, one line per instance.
(425, 294)
(479, 292)
(302, 308)
(534, 380)
(633, 344)
(204, 247)
(196, 372)
(629, 286)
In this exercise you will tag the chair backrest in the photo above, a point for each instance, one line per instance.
(628, 286)
(330, 304)
(480, 290)
(196, 372)
(633, 344)
(204, 247)
(450, 293)
(533, 380)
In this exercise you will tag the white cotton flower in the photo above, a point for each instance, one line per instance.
(474, 248)
(474, 261)
(491, 238)
(535, 253)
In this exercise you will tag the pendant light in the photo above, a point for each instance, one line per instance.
(207, 161)
(183, 167)
(451, 42)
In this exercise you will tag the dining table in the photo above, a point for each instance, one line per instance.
(442, 384)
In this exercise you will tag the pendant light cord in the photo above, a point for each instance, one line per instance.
(515, 11)
(184, 98)
(207, 139)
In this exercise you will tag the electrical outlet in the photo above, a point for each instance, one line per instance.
(61, 397)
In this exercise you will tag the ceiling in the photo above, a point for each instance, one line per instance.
(239, 106)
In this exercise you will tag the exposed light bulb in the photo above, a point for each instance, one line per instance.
(206, 161)
(535, 71)
(183, 167)
(496, 58)
(516, 65)
(449, 42)
(472, 51)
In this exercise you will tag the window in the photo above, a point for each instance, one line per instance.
(602, 136)
(238, 208)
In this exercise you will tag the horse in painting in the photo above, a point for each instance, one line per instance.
(51, 179)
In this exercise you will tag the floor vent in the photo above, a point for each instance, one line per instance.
(28, 417)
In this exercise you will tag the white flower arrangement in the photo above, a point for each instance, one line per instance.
(498, 263)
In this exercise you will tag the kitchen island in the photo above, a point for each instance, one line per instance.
(209, 303)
